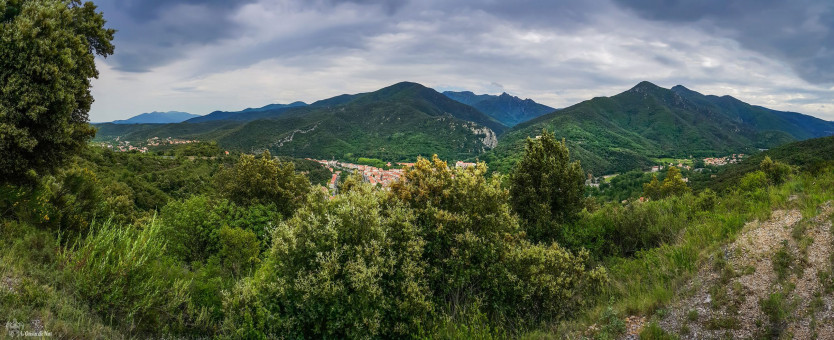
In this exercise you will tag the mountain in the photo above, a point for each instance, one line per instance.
(399, 122)
(507, 109)
(157, 118)
(249, 114)
(628, 130)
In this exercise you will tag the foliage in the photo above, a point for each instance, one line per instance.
(347, 267)
(754, 181)
(474, 247)
(673, 184)
(122, 273)
(47, 58)
(192, 227)
(239, 249)
(652, 190)
(622, 231)
(776, 172)
(546, 188)
(264, 180)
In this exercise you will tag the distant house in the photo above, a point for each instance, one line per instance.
(460, 164)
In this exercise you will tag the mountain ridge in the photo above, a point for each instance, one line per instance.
(629, 129)
(507, 109)
(157, 117)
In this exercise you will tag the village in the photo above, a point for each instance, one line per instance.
(595, 182)
(118, 145)
(371, 174)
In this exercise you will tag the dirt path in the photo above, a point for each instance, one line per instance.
(726, 298)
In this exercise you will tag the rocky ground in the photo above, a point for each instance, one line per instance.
(774, 281)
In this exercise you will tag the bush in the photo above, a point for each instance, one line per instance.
(547, 189)
(616, 230)
(706, 200)
(777, 172)
(348, 267)
(373, 264)
(123, 274)
(476, 250)
(266, 181)
(192, 226)
(239, 249)
(753, 181)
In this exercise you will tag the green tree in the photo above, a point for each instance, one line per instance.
(264, 180)
(776, 172)
(546, 188)
(651, 190)
(239, 250)
(673, 184)
(350, 267)
(47, 58)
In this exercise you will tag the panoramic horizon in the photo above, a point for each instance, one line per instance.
(271, 169)
(199, 57)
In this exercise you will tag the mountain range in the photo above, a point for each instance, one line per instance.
(507, 109)
(158, 118)
(399, 122)
(631, 129)
(627, 131)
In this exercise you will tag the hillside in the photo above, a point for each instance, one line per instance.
(625, 131)
(158, 118)
(249, 114)
(507, 109)
(399, 122)
(809, 155)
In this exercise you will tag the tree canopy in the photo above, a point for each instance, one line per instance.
(47, 58)
(546, 187)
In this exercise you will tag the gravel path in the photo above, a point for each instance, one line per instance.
(697, 316)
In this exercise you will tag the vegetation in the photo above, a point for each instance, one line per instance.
(193, 244)
(546, 187)
(396, 123)
(627, 131)
(46, 61)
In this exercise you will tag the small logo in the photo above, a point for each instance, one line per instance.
(14, 328)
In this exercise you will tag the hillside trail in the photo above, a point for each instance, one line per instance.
(739, 294)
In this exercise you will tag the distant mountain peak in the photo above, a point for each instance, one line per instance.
(644, 86)
(157, 117)
(506, 108)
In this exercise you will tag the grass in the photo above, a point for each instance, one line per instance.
(650, 280)
(32, 289)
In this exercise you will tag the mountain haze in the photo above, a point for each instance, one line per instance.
(250, 114)
(509, 110)
(158, 118)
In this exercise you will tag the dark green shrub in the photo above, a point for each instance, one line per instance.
(192, 226)
(753, 181)
(346, 267)
(777, 172)
(239, 250)
(706, 200)
(546, 188)
(264, 180)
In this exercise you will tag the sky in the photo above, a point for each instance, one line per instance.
(201, 56)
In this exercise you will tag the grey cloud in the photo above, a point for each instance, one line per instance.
(798, 32)
(155, 32)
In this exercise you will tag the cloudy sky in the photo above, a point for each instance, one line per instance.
(200, 56)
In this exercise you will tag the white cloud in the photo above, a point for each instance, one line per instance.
(289, 51)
